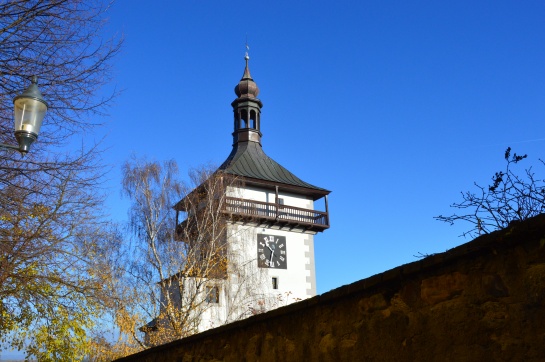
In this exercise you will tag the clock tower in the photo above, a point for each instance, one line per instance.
(271, 216)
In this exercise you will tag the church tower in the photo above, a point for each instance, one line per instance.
(271, 218)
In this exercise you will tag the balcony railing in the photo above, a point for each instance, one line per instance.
(277, 214)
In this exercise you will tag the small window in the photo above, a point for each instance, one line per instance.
(212, 294)
(275, 283)
(201, 255)
(280, 201)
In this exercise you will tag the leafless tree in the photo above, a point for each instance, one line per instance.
(510, 197)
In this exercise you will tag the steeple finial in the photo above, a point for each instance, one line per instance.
(247, 88)
(246, 56)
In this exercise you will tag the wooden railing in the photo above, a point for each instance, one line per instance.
(276, 212)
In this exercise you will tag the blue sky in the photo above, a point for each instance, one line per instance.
(394, 106)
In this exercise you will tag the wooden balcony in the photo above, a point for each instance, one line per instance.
(276, 215)
(267, 214)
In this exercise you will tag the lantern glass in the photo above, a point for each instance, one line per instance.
(29, 114)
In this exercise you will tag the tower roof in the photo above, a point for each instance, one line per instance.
(247, 158)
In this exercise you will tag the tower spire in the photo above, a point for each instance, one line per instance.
(247, 108)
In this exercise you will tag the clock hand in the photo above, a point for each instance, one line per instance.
(272, 252)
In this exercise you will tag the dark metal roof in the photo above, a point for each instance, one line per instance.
(249, 161)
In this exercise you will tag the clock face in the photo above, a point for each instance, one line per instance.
(271, 251)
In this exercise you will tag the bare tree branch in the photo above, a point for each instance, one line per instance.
(510, 197)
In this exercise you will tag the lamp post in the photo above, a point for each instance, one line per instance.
(29, 112)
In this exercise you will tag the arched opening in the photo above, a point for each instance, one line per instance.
(237, 121)
(244, 119)
(252, 119)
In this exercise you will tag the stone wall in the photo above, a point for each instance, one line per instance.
(481, 301)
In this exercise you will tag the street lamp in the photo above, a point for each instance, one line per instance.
(29, 111)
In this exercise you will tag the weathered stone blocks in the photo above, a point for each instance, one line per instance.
(482, 301)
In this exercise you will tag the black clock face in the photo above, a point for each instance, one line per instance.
(271, 251)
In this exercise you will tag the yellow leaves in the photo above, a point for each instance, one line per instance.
(62, 337)
(53, 301)
(27, 221)
(127, 322)
(39, 211)
(171, 324)
(101, 350)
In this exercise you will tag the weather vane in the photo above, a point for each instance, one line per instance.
(246, 56)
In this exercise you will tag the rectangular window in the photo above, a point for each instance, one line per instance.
(280, 201)
(212, 294)
(275, 283)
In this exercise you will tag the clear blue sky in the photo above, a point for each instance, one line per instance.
(394, 106)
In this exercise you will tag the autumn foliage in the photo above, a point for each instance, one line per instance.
(54, 242)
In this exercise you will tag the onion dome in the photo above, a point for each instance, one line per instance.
(247, 88)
